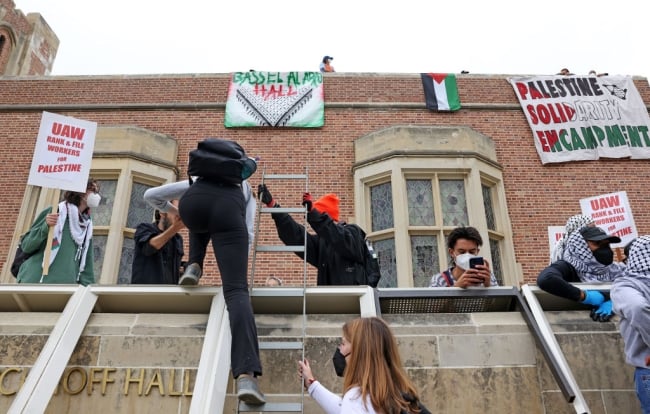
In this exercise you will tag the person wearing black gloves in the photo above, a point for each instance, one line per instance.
(337, 249)
(587, 258)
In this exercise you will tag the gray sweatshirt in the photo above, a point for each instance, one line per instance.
(631, 302)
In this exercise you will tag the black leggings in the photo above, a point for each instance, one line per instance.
(220, 211)
(198, 246)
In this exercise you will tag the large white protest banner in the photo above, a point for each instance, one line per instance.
(584, 117)
(275, 99)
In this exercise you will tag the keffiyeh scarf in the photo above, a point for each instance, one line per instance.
(578, 254)
(573, 223)
(638, 262)
(81, 231)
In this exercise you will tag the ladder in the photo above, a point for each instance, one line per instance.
(284, 407)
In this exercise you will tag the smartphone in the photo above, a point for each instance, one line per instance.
(473, 261)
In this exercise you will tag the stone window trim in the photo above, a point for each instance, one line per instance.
(125, 154)
(399, 153)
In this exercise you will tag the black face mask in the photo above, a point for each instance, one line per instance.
(339, 362)
(604, 255)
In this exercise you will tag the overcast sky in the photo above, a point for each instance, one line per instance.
(411, 36)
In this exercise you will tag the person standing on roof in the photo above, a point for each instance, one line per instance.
(326, 64)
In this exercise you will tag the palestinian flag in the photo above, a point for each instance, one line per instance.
(440, 91)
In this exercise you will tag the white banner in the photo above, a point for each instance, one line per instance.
(275, 99)
(612, 213)
(577, 118)
(63, 153)
(555, 233)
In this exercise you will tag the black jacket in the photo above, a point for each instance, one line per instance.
(337, 249)
(151, 266)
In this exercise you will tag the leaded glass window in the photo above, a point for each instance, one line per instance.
(139, 210)
(381, 206)
(124, 273)
(420, 202)
(99, 247)
(496, 260)
(385, 250)
(102, 214)
(454, 203)
(488, 207)
(415, 190)
(424, 253)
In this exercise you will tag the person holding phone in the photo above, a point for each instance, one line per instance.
(467, 269)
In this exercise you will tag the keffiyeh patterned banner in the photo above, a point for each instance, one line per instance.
(275, 99)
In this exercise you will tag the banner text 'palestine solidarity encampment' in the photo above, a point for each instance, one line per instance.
(584, 117)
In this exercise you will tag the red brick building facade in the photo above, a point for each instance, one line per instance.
(366, 115)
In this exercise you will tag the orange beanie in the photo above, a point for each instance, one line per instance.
(329, 203)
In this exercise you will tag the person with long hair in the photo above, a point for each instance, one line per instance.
(374, 380)
(71, 257)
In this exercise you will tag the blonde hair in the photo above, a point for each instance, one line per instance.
(375, 366)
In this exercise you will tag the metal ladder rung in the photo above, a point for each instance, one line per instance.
(280, 248)
(285, 176)
(291, 345)
(281, 345)
(282, 210)
(271, 408)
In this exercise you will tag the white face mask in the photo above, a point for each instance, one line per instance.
(93, 200)
(462, 260)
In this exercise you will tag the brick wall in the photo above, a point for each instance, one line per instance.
(537, 195)
(32, 43)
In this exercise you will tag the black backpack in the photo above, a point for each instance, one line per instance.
(371, 263)
(19, 258)
(220, 160)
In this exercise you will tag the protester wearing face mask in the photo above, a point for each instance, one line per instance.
(374, 380)
(587, 258)
(464, 243)
(71, 257)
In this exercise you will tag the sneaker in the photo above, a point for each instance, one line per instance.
(191, 275)
(248, 391)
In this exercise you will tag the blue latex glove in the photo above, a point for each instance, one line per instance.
(603, 313)
(593, 298)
